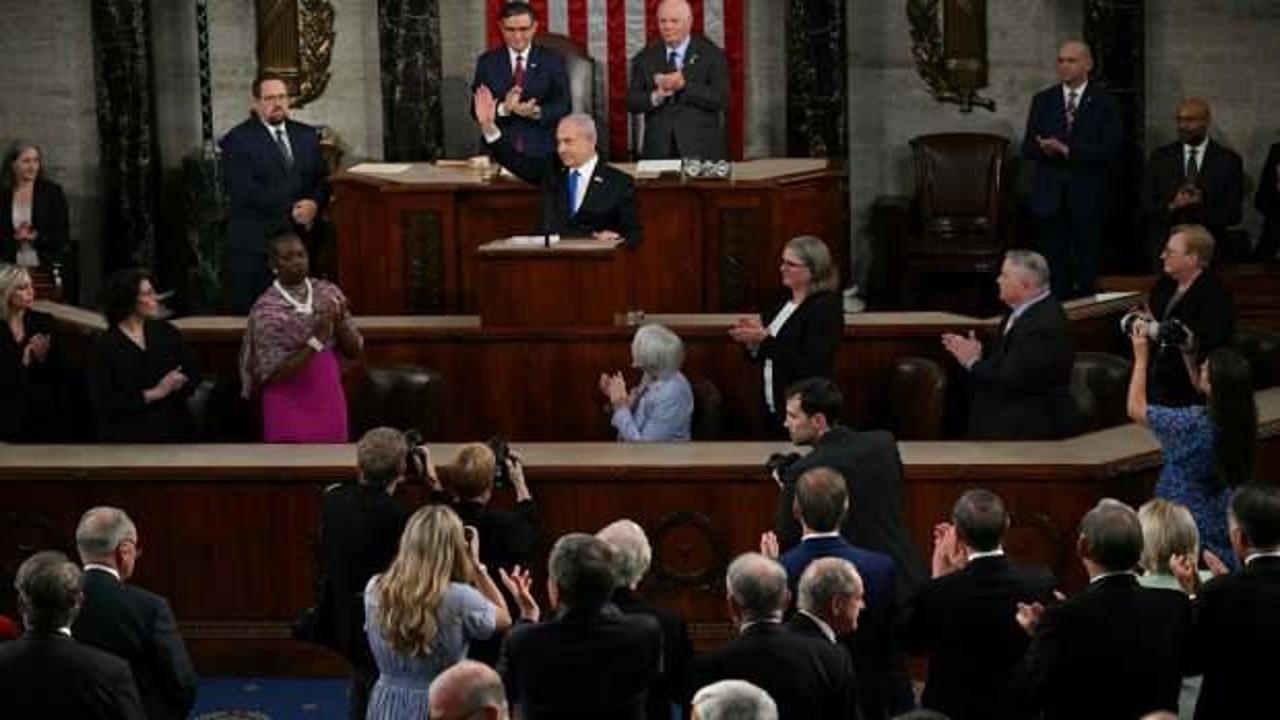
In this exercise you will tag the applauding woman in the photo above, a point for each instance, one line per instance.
(141, 373)
(31, 372)
(33, 210)
(660, 408)
(297, 330)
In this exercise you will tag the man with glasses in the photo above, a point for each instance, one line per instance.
(530, 80)
(468, 691)
(126, 620)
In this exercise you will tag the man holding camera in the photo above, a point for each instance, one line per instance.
(1195, 297)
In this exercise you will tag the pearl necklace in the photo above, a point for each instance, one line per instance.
(304, 307)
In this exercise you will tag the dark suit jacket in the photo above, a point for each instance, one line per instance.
(1077, 183)
(49, 675)
(48, 216)
(1208, 311)
(582, 665)
(1237, 632)
(872, 467)
(803, 625)
(691, 122)
(965, 624)
(138, 627)
(545, 80)
(610, 202)
(36, 395)
(1116, 651)
(1021, 385)
(677, 650)
(261, 188)
(1221, 181)
(120, 371)
(807, 678)
(1267, 198)
(806, 345)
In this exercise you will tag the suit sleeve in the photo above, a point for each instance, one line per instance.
(1024, 370)
(1105, 150)
(1267, 199)
(559, 101)
(824, 326)
(1030, 148)
(123, 694)
(629, 225)
(712, 94)
(641, 86)
(173, 668)
(531, 170)
(1225, 204)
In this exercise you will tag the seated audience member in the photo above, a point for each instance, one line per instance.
(660, 408)
(424, 610)
(1117, 650)
(127, 621)
(1237, 629)
(733, 700)
(1193, 180)
(360, 527)
(964, 618)
(33, 374)
(870, 465)
(46, 673)
(829, 601)
(1267, 201)
(469, 689)
(581, 194)
(141, 372)
(1195, 296)
(589, 660)
(33, 210)
(807, 678)
(297, 334)
(1021, 379)
(1209, 450)
(799, 335)
(632, 555)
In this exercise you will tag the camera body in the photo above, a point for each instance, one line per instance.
(501, 474)
(779, 462)
(1170, 333)
(415, 460)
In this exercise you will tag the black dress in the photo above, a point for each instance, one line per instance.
(34, 396)
(119, 373)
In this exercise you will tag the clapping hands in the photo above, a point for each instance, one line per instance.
(518, 583)
(748, 331)
(614, 387)
(37, 350)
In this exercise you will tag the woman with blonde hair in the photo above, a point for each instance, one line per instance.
(32, 373)
(422, 613)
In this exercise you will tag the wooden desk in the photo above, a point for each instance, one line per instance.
(407, 240)
(575, 282)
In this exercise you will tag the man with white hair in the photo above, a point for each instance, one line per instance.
(468, 689)
(733, 700)
(581, 196)
(127, 621)
(1021, 381)
(631, 562)
(830, 599)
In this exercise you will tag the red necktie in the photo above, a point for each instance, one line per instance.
(518, 77)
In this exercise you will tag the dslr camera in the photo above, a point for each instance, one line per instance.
(501, 474)
(1170, 333)
(415, 460)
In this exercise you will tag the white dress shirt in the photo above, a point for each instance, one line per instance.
(1199, 150)
(1066, 94)
(822, 624)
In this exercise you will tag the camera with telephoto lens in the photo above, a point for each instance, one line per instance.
(779, 462)
(1171, 332)
(415, 460)
(501, 474)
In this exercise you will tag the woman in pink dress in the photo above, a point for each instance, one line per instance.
(290, 355)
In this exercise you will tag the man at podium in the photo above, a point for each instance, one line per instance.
(581, 196)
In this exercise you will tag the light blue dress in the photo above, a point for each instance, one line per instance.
(401, 691)
(662, 412)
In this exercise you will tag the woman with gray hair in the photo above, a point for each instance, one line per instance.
(660, 408)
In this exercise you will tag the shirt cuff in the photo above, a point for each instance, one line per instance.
(491, 139)
(656, 98)
(969, 365)
(502, 110)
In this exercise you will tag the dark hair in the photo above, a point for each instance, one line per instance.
(818, 395)
(262, 77)
(582, 567)
(278, 235)
(1113, 535)
(1235, 416)
(8, 179)
(823, 498)
(49, 587)
(1256, 510)
(517, 7)
(120, 294)
(980, 519)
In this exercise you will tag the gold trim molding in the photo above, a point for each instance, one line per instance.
(295, 41)
(953, 65)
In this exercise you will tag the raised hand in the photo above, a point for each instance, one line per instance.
(1028, 616)
(518, 583)
(769, 545)
(486, 109)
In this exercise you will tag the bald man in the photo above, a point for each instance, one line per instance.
(1192, 181)
(468, 689)
(681, 85)
(1073, 138)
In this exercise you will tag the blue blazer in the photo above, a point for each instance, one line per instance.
(260, 189)
(545, 78)
(876, 568)
(1080, 181)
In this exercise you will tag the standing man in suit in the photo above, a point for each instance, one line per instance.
(1267, 201)
(1021, 380)
(964, 618)
(581, 196)
(1073, 136)
(275, 174)
(1237, 629)
(1117, 650)
(531, 81)
(47, 674)
(127, 621)
(829, 600)
(1194, 180)
(681, 86)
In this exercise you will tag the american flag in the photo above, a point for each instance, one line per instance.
(613, 31)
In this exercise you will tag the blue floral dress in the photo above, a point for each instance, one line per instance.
(1187, 436)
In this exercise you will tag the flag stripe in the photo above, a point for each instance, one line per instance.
(735, 53)
(578, 22)
(617, 73)
(558, 16)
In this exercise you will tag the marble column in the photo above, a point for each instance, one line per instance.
(409, 48)
(816, 71)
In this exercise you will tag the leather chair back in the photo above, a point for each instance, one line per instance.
(398, 396)
(917, 398)
(1100, 390)
(708, 410)
(958, 181)
(579, 66)
(1262, 349)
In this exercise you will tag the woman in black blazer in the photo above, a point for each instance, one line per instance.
(33, 377)
(797, 337)
(33, 211)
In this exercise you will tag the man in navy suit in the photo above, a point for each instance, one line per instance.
(1073, 136)
(274, 174)
(531, 81)
(581, 196)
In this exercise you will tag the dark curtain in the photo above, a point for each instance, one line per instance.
(126, 130)
(409, 50)
(817, 97)
(1114, 31)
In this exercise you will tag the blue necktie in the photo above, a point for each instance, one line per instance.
(573, 193)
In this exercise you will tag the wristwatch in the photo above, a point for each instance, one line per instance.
(314, 343)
